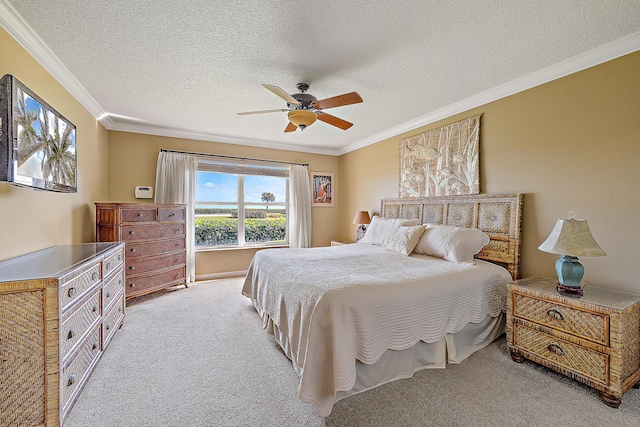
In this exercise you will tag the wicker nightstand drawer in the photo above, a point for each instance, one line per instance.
(594, 339)
(581, 360)
(572, 320)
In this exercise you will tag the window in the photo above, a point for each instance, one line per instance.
(240, 205)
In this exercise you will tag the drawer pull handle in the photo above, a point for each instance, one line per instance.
(108, 266)
(177, 229)
(555, 348)
(119, 309)
(119, 257)
(108, 326)
(94, 346)
(71, 292)
(133, 249)
(94, 308)
(555, 314)
(108, 294)
(132, 267)
(119, 281)
(139, 214)
(132, 232)
(94, 276)
(71, 380)
(132, 285)
(71, 334)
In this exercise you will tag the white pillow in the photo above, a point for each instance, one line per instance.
(405, 239)
(381, 231)
(455, 244)
(409, 222)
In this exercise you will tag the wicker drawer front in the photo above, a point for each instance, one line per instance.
(71, 290)
(140, 283)
(577, 359)
(152, 231)
(112, 262)
(75, 327)
(143, 265)
(112, 320)
(138, 215)
(75, 373)
(111, 289)
(165, 215)
(572, 320)
(137, 249)
(21, 378)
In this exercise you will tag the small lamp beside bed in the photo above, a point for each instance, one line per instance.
(571, 238)
(362, 218)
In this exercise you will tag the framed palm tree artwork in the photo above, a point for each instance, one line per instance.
(321, 189)
(37, 144)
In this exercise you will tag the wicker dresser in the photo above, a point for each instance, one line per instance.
(59, 309)
(594, 339)
(154, 235)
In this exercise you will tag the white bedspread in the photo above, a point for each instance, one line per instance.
(341, 303)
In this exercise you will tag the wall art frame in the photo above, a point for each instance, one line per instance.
(322, 186)
(441, 162)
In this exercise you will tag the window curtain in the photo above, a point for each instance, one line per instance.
(176, 183)
(300, 207)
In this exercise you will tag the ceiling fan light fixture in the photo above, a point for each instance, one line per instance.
(302, 118)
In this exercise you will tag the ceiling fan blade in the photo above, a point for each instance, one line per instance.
(338, 101)
(290, 127)
(278, 110)
(282, 94)
(333, 120)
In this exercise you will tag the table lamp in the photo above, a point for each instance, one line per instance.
(571, 238)
(362, 218)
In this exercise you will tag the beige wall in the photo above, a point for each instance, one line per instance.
(133, 159)
(571, 144)
(33, 220)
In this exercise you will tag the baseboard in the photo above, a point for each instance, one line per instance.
(223, 275)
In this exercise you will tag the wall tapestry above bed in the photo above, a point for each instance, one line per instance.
(441, 162)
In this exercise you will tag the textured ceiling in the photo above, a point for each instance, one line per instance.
(185, 68)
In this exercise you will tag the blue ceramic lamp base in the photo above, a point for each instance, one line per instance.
(570, 273)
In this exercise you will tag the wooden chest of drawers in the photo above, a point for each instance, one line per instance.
(56, 322)
(154, 236)
(594, 339)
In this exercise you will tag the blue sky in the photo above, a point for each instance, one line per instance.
(223, 187)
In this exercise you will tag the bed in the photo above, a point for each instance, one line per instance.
(353, 317)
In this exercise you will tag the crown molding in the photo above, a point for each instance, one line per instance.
(186, 134)
(18, 28)
(604, 53)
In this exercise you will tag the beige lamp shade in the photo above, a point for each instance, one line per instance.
(362, 217)
(302, 118)
(572, 237)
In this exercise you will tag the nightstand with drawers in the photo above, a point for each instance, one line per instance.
(594, 339)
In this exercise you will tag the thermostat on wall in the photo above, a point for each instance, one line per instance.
(143, 192)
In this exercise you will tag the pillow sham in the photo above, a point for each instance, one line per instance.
(381, 231)
(405, 239)
(455, 244)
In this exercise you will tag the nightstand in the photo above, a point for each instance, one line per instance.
(341, 242)
(594, 339)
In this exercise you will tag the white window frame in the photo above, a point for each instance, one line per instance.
(241, 170)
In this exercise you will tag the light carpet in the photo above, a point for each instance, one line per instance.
(199, 357)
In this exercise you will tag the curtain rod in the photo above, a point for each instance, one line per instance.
(232, 157)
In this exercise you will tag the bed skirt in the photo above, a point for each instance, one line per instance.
(397, 364)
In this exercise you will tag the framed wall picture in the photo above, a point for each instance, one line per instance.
(321, 189)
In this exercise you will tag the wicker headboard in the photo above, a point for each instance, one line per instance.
(498, 215)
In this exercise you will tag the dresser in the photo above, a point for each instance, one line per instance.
(59, 310)
(155, 246)
(594, 339)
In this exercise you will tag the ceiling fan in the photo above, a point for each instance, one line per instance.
(304, 108)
